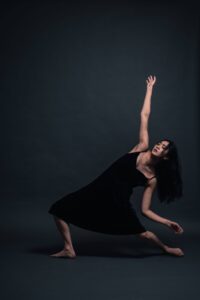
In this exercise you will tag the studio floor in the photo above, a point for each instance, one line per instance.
(106, 266)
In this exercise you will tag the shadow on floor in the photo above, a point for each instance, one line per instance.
(102, 251)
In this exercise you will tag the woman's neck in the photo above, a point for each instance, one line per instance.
(150, 160)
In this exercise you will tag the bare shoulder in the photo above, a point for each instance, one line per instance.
(139, 147)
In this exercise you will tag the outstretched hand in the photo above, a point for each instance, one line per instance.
(175, 227)
(150, 82)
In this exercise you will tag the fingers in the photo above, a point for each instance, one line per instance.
(178, 228)
(179, 232)
(151, 80)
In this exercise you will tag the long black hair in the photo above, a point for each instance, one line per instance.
(169, 178)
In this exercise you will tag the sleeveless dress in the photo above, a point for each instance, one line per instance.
(104, 204)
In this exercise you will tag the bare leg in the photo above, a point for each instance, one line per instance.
(152, 237)
(68, 250)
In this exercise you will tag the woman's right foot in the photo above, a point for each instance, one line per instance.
(66, 252)
(174, 251)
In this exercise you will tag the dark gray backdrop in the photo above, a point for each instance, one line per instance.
(73, 85)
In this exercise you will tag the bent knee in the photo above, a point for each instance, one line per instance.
(146, 234)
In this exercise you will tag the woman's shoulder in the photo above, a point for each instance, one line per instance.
(139, 148)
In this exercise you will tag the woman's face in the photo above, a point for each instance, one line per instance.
(160, 149)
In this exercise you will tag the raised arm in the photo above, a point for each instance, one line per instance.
(144, 117)
(145, 112)
(146, 108)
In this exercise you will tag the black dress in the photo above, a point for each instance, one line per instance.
(104, 204)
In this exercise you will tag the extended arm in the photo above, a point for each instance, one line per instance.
(146, 203)
(144, 117)
(146, 108)
(147, 212)
(145, 112)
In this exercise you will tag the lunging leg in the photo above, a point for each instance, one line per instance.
(68, 250)
(152, 237)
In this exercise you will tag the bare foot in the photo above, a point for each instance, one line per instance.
(66, 252)
(174, 251)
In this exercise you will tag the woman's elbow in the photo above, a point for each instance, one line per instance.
(145, 114)
(145, 212)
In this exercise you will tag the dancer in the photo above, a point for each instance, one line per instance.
(104, 204)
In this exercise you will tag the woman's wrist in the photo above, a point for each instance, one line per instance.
(150, 82)
(149, 89)
(166, 222)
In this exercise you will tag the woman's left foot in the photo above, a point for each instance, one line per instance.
(174, 251)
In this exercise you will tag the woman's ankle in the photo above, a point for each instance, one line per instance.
(68, 247)
(166, 248)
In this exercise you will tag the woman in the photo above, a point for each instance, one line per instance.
(104, 204)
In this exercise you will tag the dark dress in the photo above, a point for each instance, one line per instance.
(104, 204)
